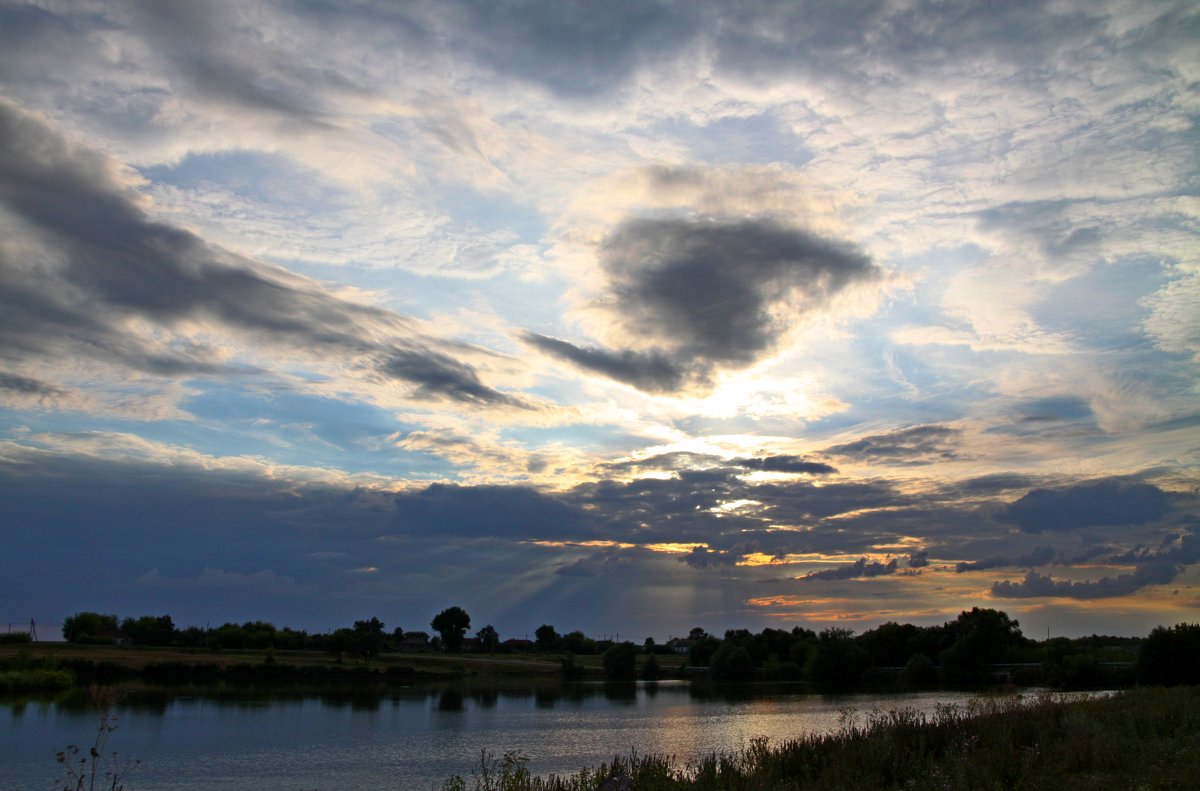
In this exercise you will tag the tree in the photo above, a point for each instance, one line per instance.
(731, 662)
(1171, 656)
(837, 661)
(489, 638)
(369, 639)
(341, 641)
(547, 637)
(981, 637)
(620, 662)
(452, 624)
(149, 630)
(86, 627)
(651, 669)
(577, 642)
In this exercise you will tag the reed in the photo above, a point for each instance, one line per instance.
(1142, 738)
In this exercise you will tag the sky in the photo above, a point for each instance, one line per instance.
(626, 317)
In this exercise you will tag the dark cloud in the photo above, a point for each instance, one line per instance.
(1038, 557)
(918, 559)
(857, 569)
(1106, 503)
(916, 445)
(576, 48)
(796, 464)
(26, 386)
(703, 558)
(105, 262)
(707, 295)
(1037, 585)
(491, 511)
(652, 372)
(1158, 568)
(439, 375)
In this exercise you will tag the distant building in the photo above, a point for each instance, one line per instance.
(680, 645)
(518, 644)
(413, 642)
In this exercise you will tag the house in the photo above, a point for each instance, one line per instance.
(518, 644)
(413, 641)
(680, 645)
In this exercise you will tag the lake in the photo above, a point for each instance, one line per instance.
(412, 739)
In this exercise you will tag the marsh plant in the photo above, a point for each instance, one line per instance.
(1144, 738)
(94, 769)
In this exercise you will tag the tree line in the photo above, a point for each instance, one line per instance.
(979, 646)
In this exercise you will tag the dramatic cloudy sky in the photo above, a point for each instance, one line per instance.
(623, 316)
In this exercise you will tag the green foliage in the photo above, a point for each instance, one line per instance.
(89, 627)
(981, 637)
(620, 662)
(1171, 656)
(651, 671)
(149, 630)
(578, 643)
(836, 662)
(15, 638)
(489, 638)
(731, 662)
(546, 638)
(369, 639)
(452, 624)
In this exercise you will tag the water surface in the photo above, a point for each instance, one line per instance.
(412, 739)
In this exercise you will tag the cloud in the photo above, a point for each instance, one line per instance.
(85, 272)
(1039, 585)
(1158, 568)
(491, 511)
(695, 296)
(25, 386)
(858, 569)
(918, 559)
(1038, 557)
(703, 558)
(916, 445)
(1105, 503)
(797, 464)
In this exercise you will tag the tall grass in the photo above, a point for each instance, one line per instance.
(1141, 739)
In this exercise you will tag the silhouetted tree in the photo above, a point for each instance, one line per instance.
(1171, 656)
(578, 643)
(981, 637)
(489, 638)
(149, 630)
(452, 624)
(651, 669)
(340, 642)
(369, 640)
(731, 662)
(620, 662)
(85, 627)
(837, 661)
(547, 637)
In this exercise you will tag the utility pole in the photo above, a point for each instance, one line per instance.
(32, 630)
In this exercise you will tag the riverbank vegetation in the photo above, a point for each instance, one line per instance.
(979, 648)
(1143, 738)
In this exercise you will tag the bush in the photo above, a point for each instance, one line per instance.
(1171, 656)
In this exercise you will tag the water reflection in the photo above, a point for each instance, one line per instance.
(411, 737)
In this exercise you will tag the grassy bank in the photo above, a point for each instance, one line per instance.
(1145, 738)
(21, 666)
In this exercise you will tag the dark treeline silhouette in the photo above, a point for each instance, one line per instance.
(979, 647)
